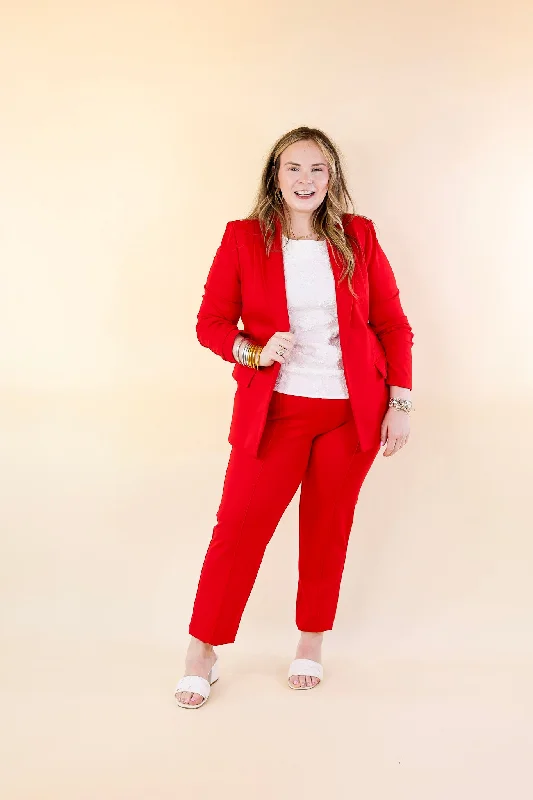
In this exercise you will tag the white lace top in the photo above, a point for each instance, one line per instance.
(314, 367)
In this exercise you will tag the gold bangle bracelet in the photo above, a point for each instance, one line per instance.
(251, 358)
(249, 353)
(253, 351)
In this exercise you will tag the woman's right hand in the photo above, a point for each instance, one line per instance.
(281, 342)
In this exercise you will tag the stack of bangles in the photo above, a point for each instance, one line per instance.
(249, 353)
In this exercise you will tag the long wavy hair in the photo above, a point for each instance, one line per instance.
(326, 220)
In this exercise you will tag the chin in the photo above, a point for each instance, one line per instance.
(304, 207)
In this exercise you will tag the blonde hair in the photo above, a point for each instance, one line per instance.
(326, 220)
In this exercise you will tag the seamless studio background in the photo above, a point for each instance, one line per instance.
(130, 134)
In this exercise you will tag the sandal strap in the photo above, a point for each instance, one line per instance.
(305, 666)
(194, 683)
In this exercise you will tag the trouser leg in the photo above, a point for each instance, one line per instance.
(255, 494)
(330, 489)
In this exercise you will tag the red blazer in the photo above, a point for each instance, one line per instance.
(375, 335)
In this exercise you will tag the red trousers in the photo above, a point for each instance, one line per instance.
(307, 440)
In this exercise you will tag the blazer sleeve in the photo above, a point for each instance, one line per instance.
(386, 315)
(221, 305)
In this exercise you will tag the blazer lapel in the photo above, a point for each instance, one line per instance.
(345, 300)
(275, 283)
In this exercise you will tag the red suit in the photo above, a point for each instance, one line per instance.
(280, 441)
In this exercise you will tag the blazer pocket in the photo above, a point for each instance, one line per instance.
(243, 375)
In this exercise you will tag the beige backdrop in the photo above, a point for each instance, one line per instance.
(130, 134)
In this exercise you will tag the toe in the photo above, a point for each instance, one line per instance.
(302, 680)
(195, 699)
(308, 682)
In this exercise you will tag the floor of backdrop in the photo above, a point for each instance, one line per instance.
(427, 690)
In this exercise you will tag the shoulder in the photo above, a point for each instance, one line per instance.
(244, 226)
(236, 232)
(241, 232)
(358, 225)
(362, 229)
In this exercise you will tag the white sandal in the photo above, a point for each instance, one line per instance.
(305, 666)
(197, 684)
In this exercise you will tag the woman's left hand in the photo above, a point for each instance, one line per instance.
(395, 430)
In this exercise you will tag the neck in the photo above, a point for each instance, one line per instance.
(299, 223)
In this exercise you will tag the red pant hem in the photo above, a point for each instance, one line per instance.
(209, 638)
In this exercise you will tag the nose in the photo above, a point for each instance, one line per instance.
(306, 178)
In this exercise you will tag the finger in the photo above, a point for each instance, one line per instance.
(284, 342)
(284, 346)
(397, 445)
(391, 445)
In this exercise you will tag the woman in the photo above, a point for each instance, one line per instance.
(323, 371)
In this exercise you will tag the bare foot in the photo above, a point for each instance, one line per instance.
(309, 646)
(198, 661)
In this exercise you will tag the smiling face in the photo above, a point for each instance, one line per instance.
(303, 176)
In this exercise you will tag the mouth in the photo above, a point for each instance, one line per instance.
(304, 195)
